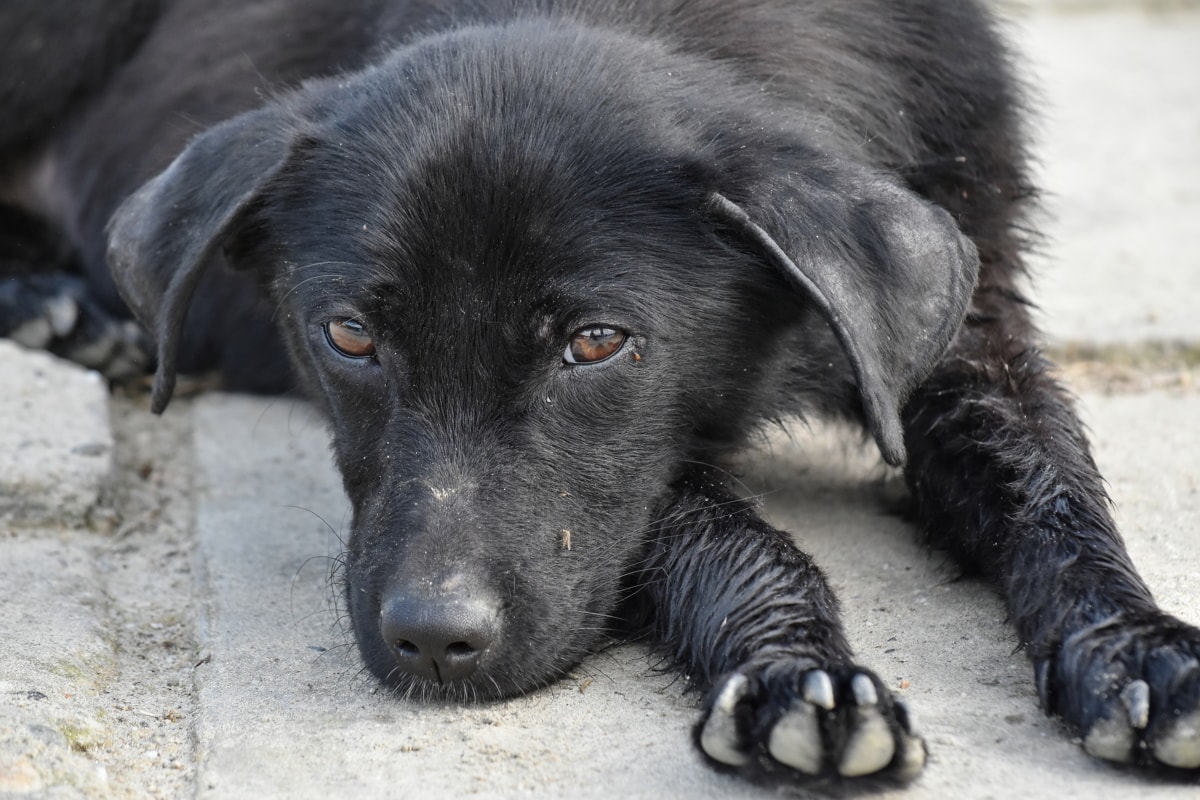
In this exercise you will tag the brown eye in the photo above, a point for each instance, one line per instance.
(350, 338)
(592, 345)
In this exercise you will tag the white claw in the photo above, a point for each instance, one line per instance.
(1136, 697)
(870, 747)
(864, 690)
(818, 689)
(796, 740)
(1180, 745)
(719, 737)
(63, 313)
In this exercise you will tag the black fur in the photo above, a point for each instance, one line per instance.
(807, 208)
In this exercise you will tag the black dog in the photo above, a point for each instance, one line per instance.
(541, 264)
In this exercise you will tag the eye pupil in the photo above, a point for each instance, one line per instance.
(350, 338)
(592, 345)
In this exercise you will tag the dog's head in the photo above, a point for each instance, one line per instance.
(531, 274)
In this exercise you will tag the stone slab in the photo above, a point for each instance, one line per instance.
(55, 439)
(55, 664)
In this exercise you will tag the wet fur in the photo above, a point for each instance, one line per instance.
(488, 176)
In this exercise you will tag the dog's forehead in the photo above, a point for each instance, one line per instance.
(441, 174)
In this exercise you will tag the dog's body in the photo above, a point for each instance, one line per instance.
(543, 265)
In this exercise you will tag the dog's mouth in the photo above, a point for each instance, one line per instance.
(474, 618)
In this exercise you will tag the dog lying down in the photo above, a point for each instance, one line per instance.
(545, 266)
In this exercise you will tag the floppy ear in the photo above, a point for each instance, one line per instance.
(890, 273)
(163, 236)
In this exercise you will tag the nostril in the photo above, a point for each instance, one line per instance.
(460, 650)
(461, 656)
(406, 649)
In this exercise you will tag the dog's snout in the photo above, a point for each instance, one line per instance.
(442, 639)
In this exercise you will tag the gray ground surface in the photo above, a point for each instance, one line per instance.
(1120, 163)
(169, 628)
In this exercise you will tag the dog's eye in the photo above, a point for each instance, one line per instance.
(592, 345)
(350, 338)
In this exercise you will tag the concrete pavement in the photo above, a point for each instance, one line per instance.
(55, 443)
(170, 629)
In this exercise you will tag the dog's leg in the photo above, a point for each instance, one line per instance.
(745, 613)
(1002, 476)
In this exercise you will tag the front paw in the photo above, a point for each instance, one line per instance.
(1131, 689)
(788, 717)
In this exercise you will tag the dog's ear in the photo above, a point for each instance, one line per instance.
(890, 273)
(163, 236)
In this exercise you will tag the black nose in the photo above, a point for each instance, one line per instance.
(440, 639)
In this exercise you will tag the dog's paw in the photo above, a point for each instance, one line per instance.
(1130, 689)
(54, 312)
(826, 723)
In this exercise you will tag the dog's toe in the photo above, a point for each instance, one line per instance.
(720, 737)
(1113, 736)
(1179, 744)
(1110, 738)
(795, 741)
(870, 746)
